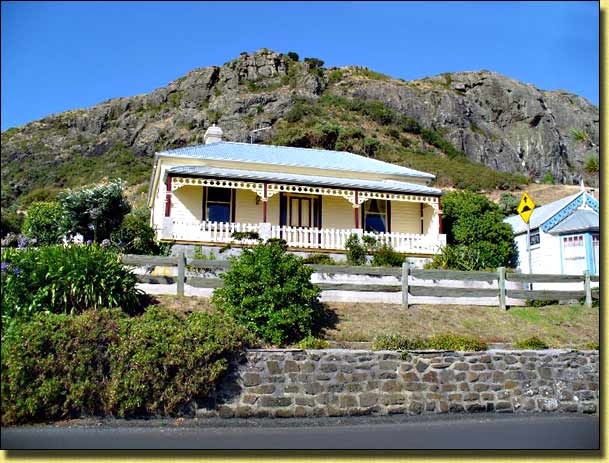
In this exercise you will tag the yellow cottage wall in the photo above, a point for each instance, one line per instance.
(336, 212)
(405, 217)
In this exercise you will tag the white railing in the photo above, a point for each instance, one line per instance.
(209, 232)
(296, 237)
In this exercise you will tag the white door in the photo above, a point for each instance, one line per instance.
(573, 255)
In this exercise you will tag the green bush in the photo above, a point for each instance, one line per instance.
(549, 179)
(314, 62)
(45, 222)
(476, 223)
(60, 279)
(319, 259)
(356, 250)
(293, 56)
(591, 164)
(55, 366)
(95, 212)
(436, 342)
(385, 256)
(533, 343)
(178, 359)
(269, 291)
(136, 236)
(457, 257)
(508, 203)
(311, 342)
(104, 363)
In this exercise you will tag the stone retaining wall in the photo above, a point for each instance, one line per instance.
(347, 382)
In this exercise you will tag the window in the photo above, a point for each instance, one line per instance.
(574, 255)
(218, 206)
(534, 237)
(375, 215)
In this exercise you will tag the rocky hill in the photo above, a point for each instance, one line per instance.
(477, 130)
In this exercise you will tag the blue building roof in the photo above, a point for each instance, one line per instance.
(290, 156)
(580, 220)
(377, 185)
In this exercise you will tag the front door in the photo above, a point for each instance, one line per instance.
(300, 212)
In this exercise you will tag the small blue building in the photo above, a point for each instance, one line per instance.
(564, 238)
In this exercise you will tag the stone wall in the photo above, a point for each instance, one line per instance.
(297, 383)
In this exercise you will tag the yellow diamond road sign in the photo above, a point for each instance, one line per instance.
(525, 208)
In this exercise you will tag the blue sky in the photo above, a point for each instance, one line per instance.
(66, 55)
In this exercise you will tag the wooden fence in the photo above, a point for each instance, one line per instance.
(403, 274)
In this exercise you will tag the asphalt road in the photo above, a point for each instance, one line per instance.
(397, 432)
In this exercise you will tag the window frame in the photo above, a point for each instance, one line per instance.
(366, 213)
(231, 204)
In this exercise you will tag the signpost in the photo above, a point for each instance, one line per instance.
(525, 209)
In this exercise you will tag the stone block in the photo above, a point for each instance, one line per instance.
(323, 377)
(472, 377)
(416, 407)
(392, 399)
(308, 367)
(291, 366)
(243, 411)
(545, 372)
(224, 411)
(460, 376)
(589, 408)
(301, 412)
(430, 377)
(312, 388)
(274, 367)
(455, 397)
(390, 365)
(584, 395)
(440, 365)
(278, 379)
(410, 376)
(354, 387)
(412, 386)
(430, 406)
(372, 385)
(471, 396)
(347, 401)
(291, 388)
(448, 387)
(270, 401)
(387, 375)
(480, 387)
(485, 359)
(335, 387)
(284, 413)
(368, 399)
(346, 369)
(251, 379)
(391, 386)
(464, 387)
(503, 406)
(487, 396)
(510, 359)
(328, 367)
(421, 366)
(443, 406)
(456, 408)
(396, 410)
(478, 367)
(262, 389)
(304, 400)
(461, 366)
(249, 399)
(475, 408)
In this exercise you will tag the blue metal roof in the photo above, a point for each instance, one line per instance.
(290, 156)
(580, 220)
(255, 175)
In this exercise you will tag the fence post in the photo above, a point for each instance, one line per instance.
(405, 273)
(181, 273)
(588, 289)
(501, 272)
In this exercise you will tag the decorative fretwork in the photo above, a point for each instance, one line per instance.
(256, 187)
(562, 214)
(274, 188)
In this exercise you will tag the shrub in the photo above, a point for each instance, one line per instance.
(386, 256)
(55, 366)
(45, 223)
(436, 342)
(319, 259)
(10, 222)
(60, 279)
(314, 62)
(101, 363)
(476, 223)
(591, 164)
(311, 342)
(336, 75)
(531, 343)
(508, 203)
(293, 56)
(95, 212)
(269, 291)
(178, 359)
(136, 236)
(356, 251)
(456, 257)
(549, 179)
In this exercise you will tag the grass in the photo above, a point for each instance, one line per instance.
(558, 326)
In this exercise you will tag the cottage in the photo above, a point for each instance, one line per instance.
(313, 199)
(564, 236)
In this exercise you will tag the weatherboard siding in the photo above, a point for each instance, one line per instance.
(337, 212)
(246, 209)
(405, 217)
